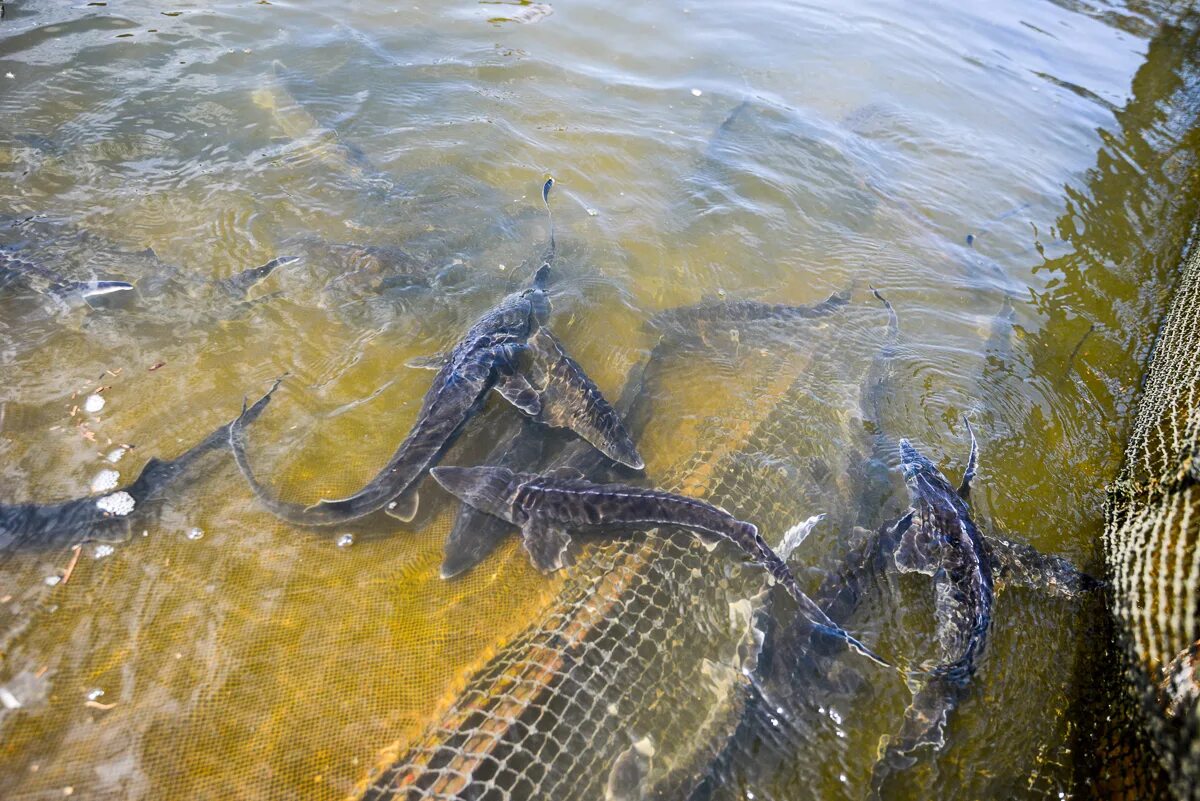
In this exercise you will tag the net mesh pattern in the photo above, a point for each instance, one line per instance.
(1152, 528)
(649, 634)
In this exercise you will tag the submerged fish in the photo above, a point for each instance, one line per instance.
(510, 350)
(476, 534)
(309, 138)
(938, 538)
(36, 525)
(63, 291)
(546, 506)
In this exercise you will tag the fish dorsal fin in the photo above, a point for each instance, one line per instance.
(547, 543)
(517, 390)
(435, 362)
(569, 399)
(964, 489)
(566, 473)
(404, 507)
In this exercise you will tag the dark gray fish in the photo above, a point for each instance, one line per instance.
(476, 534)
(687, 318)
(35, 525)
(546, 506)
(238, 285)
(938, 538)
(63, 290)
(510, 350)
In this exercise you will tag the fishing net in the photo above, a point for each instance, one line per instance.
(648, 641)
(1151, 536)
(220, 653)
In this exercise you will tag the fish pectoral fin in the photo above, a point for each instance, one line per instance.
(569, 399)
(435, 362)
(1018, 564)
(404, 507)
(548, 544)
(517, 390)
(474, 536)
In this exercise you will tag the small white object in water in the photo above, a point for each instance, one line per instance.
(94, 694)
(593, 213)
(105, 480)
(115, 454)
(119, 503)
(696, 93)
(9, 700)
(103, 551)
(345, 541)
(10, 76)
(194, 533)
(93, 404)
(52, 580)
(502, 268)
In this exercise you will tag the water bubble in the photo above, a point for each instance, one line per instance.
(345, 541)
(194, 533)
(94, 694)
(93, 404)
(696, 93)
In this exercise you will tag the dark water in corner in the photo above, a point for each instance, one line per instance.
(1039, 152)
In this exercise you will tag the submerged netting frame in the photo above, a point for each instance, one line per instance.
(1152, 529)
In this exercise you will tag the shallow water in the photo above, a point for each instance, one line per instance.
(1039, 152)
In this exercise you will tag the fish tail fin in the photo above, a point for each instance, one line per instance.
(485, 488)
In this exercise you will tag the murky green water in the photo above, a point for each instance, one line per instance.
(1039, 152)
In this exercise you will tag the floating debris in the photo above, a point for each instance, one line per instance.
(94, 694)
(52, 581)
(105, 480)
(119, 503)
(103, 551)
(93, 404)
(194, 533)
(156, 366)
(345, 541)
(117, 453)
(696, 93)
(9, 700)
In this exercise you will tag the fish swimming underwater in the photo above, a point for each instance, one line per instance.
(28, 244)
(508, 349)
(65, 292)
(35, 525)
(476, 534)
(545, 506)
(939, 538)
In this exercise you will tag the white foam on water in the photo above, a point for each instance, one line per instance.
(119, 503)
(105, 480)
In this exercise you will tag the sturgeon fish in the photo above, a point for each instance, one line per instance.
(63, 290)
(476, 534)
(26, 525)
(937, 537)
(508, 349)
(546, 506)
